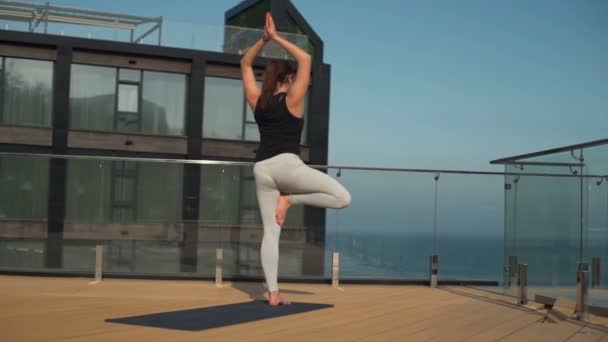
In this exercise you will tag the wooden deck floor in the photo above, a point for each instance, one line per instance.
(71, 309)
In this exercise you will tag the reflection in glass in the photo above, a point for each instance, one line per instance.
(223, 110)
(123, 192)
(23, 188)
(159, 109)
(164, 103)
(92, 97)
(128, 98)
(130, 75)
(28, 92)
(252, 133)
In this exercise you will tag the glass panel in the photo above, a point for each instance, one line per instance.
(88, 191)
(28, 92)
(510, 274)
(223, 110)
(220, 186)
(254, 16)
(106, 192)
(23, 211)
(23, 188)
(79, 255)
(596, 239)
(130, 75)
(386, 232)
(470, 227)
(159, 193)
(252, 133)
(21, 254)
(546, 229)
(92, 97)
(164, 103)
(128, 98)
(147, 257)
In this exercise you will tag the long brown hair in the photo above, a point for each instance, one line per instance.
(277, 71)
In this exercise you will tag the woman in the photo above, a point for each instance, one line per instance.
(282, 179)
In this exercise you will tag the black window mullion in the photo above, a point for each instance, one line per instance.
(2, 89)
(244, 122)
(130, 83)
(116, 98)
(140, 101)
(123, 115)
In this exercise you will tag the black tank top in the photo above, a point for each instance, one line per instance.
(280, 131)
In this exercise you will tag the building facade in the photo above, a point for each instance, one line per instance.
(141, 103)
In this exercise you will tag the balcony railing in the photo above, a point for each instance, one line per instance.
(160, 31)
(168, 218)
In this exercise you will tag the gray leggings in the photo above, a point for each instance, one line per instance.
(287, 174)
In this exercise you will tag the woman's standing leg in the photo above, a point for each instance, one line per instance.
(268, 194)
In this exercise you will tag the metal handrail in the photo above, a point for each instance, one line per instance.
(323, 167)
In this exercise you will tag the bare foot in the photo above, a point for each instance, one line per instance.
(283, 204)
(275, 299)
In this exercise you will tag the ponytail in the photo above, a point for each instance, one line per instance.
(277, 71)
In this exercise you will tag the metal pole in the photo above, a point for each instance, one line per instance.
(582, 279)
(434, 262)
(522, 282)
(335, 270)
(434, 259)
(98, 263)
(513, 269)
(595, 271)
(219, 257)
(160, 32)
(435, 198)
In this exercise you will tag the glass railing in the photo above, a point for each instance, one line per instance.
(152, 223)
(559, 225)
(170, 33)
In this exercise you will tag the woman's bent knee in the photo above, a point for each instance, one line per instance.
(344, 199)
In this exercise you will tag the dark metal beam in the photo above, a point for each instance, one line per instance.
(522, 163)
(551, 151)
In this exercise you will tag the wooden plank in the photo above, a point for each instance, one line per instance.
(360, 312)
(133, 62)
(26, 51)
(27, 135)
(127, 142)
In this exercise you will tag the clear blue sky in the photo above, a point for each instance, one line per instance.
(446, 84)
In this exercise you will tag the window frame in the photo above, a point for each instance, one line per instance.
(3, 88)
(140, 100)
(118, 114)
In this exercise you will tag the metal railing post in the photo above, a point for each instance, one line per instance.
(98, 263)
(522, 284)
(219, 258)
(434, 271)
(582, 280)
(595, 272)
(335, 270)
